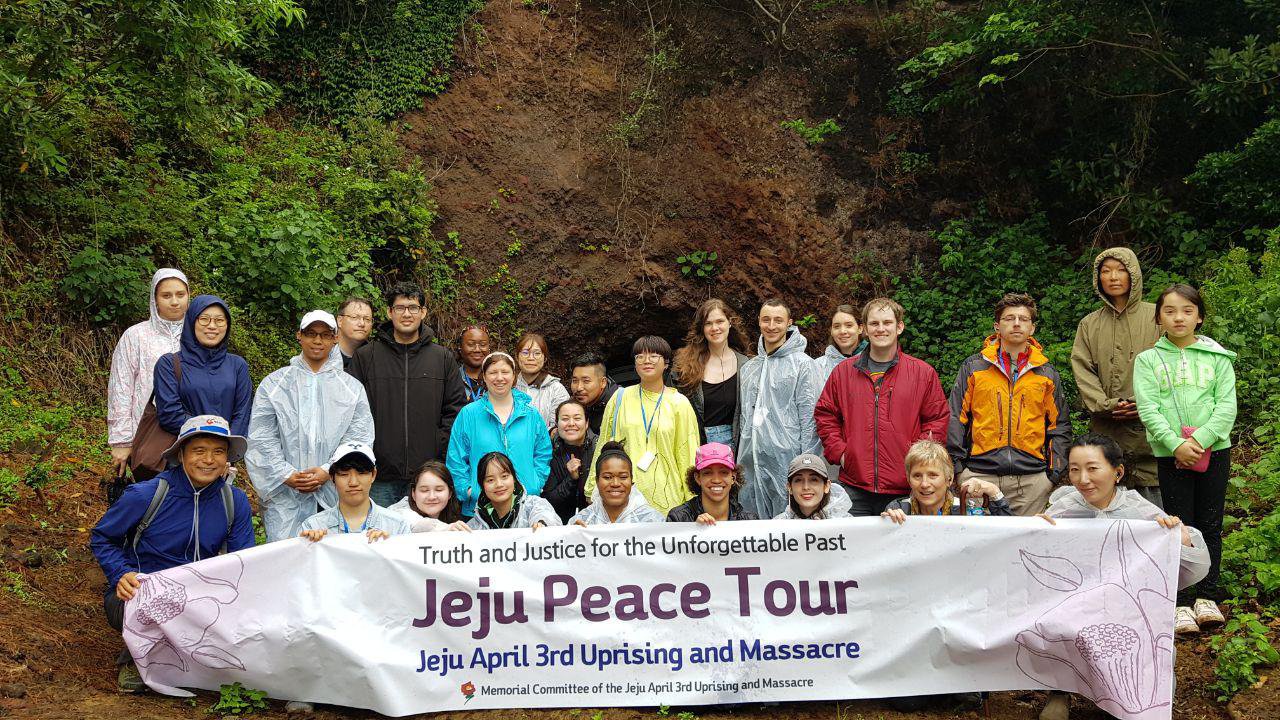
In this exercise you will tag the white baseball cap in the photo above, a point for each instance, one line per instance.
(316, 316)
(349, 448)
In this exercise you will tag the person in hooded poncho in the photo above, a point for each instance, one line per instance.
(301, 414)
(214, 381)
(134, 359)
(778, 391)
(617, 499)
(505, 504)
(1107, 342)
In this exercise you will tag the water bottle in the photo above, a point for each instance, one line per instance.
(973, 506)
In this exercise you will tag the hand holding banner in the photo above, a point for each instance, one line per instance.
(676, 614)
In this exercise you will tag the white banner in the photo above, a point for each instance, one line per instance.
(676, 614)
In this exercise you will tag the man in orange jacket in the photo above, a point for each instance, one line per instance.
(1009, 419)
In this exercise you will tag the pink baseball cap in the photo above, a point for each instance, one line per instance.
(714, 454)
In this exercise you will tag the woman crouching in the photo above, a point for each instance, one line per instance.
(503, 502)
(617, 499)
(715, 481)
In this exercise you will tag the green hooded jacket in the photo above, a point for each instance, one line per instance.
(1107, 342)
(1193, 387)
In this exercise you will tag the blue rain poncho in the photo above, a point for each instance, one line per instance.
(777, 393)
(299, 418)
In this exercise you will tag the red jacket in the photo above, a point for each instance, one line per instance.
(872, 428)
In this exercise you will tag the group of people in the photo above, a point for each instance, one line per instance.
(389, 432)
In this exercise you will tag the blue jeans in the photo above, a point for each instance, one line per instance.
(722, 434)
(386, 494)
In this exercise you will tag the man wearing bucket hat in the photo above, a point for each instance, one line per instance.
(301, 413)
(184, 514)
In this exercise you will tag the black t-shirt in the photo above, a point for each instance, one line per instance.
(719, 401)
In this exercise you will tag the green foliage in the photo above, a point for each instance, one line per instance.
(807, 321)
(1240, 182)
(948, 307)
(1243, 298)
(109, 287)
(1242, 647)
(10, 487)
(374, 58)
(699, 264)
(812, 135)
(236, 699)
(505, 310)
(164, 65)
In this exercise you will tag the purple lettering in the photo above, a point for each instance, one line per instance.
(744, 594)
(549, 599)
(594, 599)
(691, 597)
(655, 601)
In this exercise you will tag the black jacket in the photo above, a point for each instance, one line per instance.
(690, 511)
(414, 393)
(563, 492)
(595, 413)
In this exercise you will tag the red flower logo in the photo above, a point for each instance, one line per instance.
(469, 690)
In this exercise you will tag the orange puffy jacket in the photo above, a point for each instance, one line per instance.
(1002, 427)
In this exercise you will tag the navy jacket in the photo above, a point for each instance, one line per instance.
(168, 542)
(214, 381)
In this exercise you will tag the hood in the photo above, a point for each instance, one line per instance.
(387, 334)
(1130, 260)
(1070, 503)
(795, 343)
(332, 364)
(833, 353)
(167, 328)
(635, 501)
(193, 353)
(1203, 343)
(1036, 359)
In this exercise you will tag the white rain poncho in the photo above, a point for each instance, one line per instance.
(299, 418)
(133, 363)
(777, 393)
(838, 506)
(638, 510)
(418, 523)
(1067, 502)
(533, 509)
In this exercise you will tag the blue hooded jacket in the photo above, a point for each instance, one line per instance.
(170, 539)
(214, 381)
(478, 432)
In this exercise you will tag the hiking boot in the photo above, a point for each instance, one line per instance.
(1207, 613)
(297, 707)
(1057, 708)
(1184, 622)
(129, 680)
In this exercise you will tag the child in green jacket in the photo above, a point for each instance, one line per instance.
(1185, 389)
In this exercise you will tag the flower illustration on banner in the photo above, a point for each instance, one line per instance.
(469, 690)
(1115, 636)
(176, 608)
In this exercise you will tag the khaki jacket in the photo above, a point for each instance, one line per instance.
(1106, 345)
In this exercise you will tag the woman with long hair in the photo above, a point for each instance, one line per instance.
(432, 503)
(545, 390)
(706, 370)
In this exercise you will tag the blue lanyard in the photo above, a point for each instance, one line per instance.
(475, 388)
(656, 408)
(363, 526)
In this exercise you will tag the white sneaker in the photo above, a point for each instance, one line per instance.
(1184, 622)
(298, 707)
(1207, 613)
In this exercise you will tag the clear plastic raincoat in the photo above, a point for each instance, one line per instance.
(638, 510)
(132, 363)
(838, 506)
(299, 418)
(777, 393)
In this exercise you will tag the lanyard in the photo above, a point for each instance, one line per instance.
(648, 424)
(475, 388)
(363, 526)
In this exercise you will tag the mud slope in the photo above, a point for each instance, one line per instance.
(531, 173)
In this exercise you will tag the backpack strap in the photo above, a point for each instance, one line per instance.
(228, 504)
(162, 489)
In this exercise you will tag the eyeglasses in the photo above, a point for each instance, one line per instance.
(206, 321)
(406, 309)
(313, 335)
(365, 319)
(531, 353)
(648, 357)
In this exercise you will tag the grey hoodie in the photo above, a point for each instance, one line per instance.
(1067, 502)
